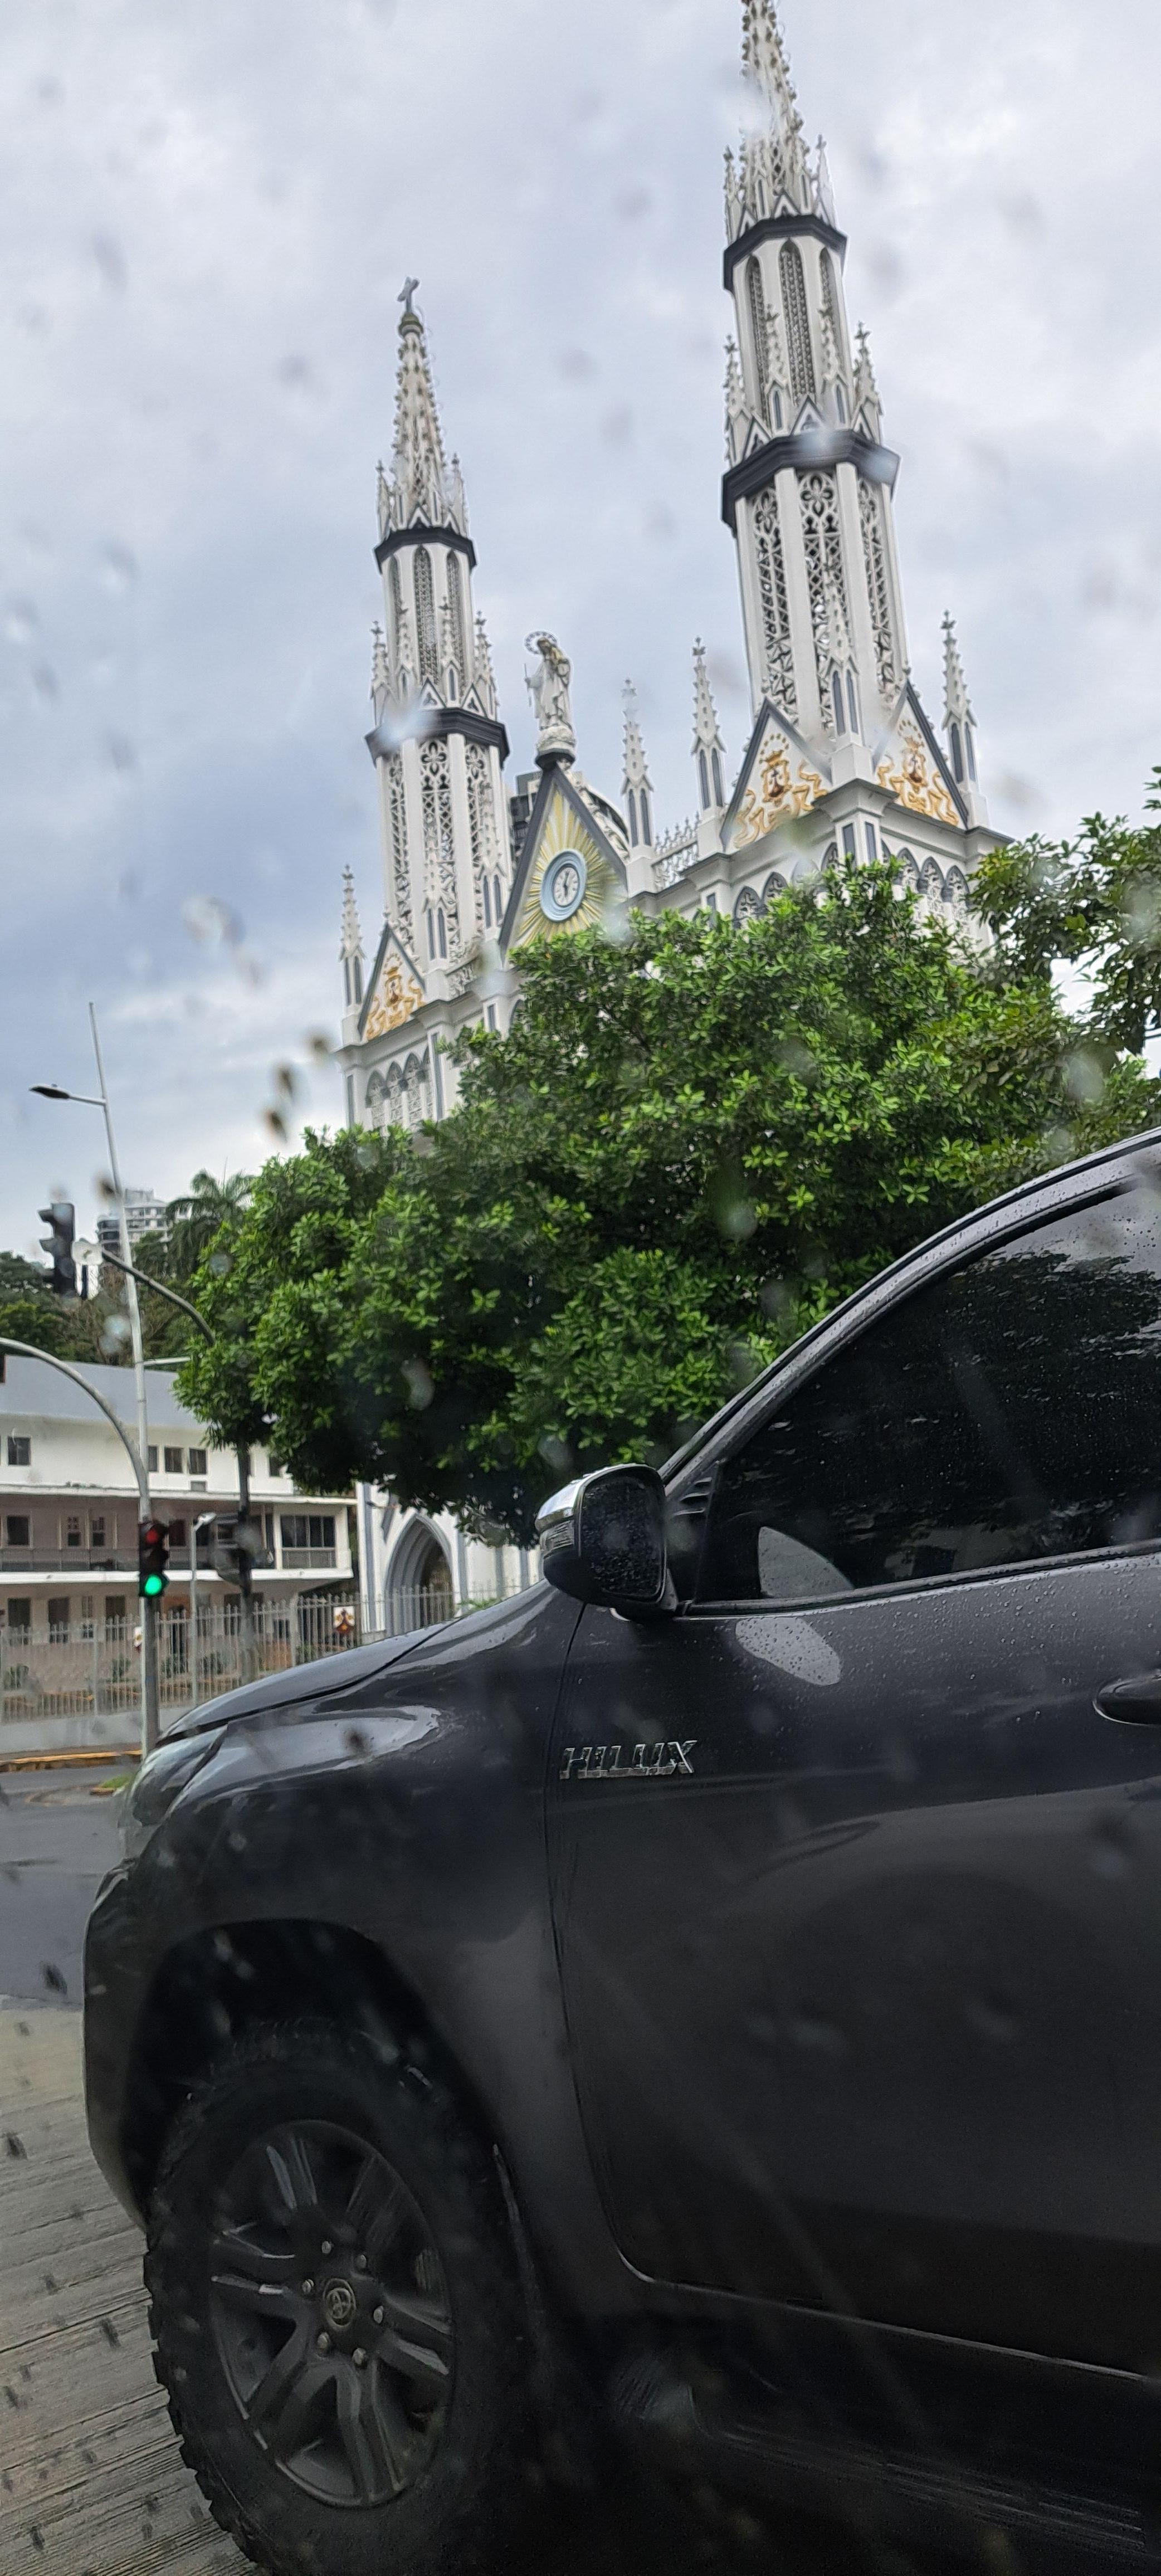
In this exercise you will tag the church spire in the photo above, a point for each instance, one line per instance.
(421, 490)
(960, 726)
(772, 172)
(637, 784)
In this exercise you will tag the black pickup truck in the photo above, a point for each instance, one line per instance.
(720, 1989)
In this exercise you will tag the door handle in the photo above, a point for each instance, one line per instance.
(1131, 1703)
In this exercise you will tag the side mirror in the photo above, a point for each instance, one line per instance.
(602, 1539)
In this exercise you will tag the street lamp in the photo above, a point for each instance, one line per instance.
(87, 1100)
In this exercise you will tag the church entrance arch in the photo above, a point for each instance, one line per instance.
(419, 1580)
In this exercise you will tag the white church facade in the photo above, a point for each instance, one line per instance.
(841, 755)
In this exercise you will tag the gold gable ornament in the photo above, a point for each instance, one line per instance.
(397, 998)
(779, 794)
(916, 782)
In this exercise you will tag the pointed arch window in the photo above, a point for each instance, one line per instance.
(632, 804)
(429, 917)
(486, 899)
(970, 748)
(441, 929)
(396, 588)
(759, 335)
(455, 600)
(425, 616)
(357, 977)
(703, 778)
(347, 981)
(716, 758)
(498, 899)
(646, 818)
(957, 754)
(836, 691)
(852, 702)
(798, 347)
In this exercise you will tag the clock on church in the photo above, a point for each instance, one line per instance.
(562, 887)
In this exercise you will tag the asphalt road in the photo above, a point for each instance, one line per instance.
(57, 1839)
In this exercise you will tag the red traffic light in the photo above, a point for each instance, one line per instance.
(152, 1558)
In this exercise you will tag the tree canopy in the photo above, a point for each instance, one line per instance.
(688, 1146)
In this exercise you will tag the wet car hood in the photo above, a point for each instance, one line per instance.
(332, 1675)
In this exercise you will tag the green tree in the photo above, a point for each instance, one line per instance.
(687, 1147)
(1093, 904)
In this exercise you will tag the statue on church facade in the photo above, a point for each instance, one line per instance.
(548, 690)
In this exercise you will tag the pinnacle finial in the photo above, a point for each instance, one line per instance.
(351, 937)
(957, 705)
(707, 738)
(636, 768)
(406, 291)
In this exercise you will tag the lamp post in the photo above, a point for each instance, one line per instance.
(150, 1708)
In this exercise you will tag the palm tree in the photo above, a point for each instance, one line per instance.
(199, 1214)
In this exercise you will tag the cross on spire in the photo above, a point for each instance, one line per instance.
(404, 297)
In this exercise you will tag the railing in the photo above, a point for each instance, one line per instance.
(317, 1557)
(48, 1674)
(68, 1560)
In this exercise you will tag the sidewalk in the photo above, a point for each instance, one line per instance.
(91, 2481)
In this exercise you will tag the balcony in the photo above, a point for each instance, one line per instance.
(68, 1560)
(316, 1560)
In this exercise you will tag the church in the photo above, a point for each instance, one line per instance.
(842, 757)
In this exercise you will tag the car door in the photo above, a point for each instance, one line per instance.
(858, 1899)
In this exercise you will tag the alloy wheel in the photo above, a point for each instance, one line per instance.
(331, 2313)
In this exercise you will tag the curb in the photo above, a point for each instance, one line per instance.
(82, 1755)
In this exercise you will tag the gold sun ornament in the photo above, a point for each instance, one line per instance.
(571, 885)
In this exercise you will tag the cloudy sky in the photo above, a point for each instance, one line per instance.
(205, 217)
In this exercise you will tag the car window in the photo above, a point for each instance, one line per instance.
(1010, 1411)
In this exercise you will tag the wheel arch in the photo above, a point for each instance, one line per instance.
(218, 1983)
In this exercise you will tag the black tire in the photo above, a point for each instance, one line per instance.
(398, 2445)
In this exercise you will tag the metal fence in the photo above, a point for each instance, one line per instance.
(94, 1668)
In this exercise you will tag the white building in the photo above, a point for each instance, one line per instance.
(69, 1513)
(144, 1214)
(840, 757)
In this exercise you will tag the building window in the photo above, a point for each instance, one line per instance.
(455, 601)
(798, 347)
(177, 1537)
(849, 839)
(758, 332)
(719, 799)
(969, 747)
(350, 1100)
(957, 754)
(872, 848)
(632, 819)
(646, 819)
(18, 1530)
(441, 930)
(58, 1623)
(73, 1530)
(20, 1618)
(486, 893)
(19, 1449)
(88, 1625)
(197, 1462)
(490, 1015)
(852, 702)
(97, 1530)
(151, 1459)
(357, 978)
(836, 691)
(173, 1462)
(425, 616)
(499, 900)
(307, 1534)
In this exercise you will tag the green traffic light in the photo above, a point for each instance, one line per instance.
(154, 1585)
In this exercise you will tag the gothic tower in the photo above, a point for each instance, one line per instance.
(437, 741)
(808, 484)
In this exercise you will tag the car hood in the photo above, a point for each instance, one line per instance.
(334, 1674)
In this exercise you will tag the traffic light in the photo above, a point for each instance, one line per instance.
(61, 1216)
(152, 1559)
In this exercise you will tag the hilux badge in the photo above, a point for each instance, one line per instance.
(650, 1761)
